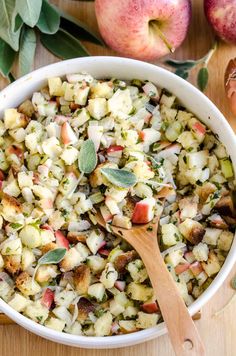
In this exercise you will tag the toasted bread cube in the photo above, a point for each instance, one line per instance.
(146, 321)
(139, 291)
(26, 285)
(192, 230)
(201, 251)
(82, 279)
(102, 326)
(12, 263)
(212, 266)
(55, 324)
(46, 273)
(225, 240)
(55, 86)
(18, 302)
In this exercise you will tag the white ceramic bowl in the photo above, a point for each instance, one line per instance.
(193, 99)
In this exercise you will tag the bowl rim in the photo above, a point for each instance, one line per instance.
(160, 329)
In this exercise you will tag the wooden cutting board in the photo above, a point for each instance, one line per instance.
(218, 333)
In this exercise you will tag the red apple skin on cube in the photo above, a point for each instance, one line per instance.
(199, 128)
(189, 256)
(67, 134)
(182, 267)
(120, 285)
(150, 308)
(2, 175)
(61, 240)
(196, 268)
(114, 148)
(143, 211)
(133, 28)
(47, 298)
(221, 14)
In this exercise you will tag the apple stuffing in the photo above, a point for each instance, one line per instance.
(81, 146)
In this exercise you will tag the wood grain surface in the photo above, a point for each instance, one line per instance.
(218, 333)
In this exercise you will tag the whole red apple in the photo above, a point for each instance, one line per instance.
(221, 14)
(143, 29)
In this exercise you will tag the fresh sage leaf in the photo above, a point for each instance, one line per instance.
(78, 28)
(87, 157)
(63, 45)
(18, 23)
(29, 11)
(49, 19)
(7, 23)
(52, 257)
(119, 177)
(27, 50)
(182, 73)
(188, 64)
(6, 58)
(202, 78)
(233, 282)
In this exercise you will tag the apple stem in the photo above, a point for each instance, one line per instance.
(205, 60)
(155, 27)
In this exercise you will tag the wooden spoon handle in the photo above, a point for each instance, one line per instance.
(183, 333)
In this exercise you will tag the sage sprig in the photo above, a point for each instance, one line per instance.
(183, 68)
(22, 21)
(52, 257)
(87, 157)
(119, 177)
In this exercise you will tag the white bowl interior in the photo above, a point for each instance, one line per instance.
(192, 98)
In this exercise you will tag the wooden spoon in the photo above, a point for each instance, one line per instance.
(183, 333)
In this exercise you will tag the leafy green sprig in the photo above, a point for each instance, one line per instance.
(183, 68)
(23, 21)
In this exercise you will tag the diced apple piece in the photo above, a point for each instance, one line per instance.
(61, 240)
(196, 268)
(106, 214)
(150, 307)
(149, 136)
(143, 211)
(189, 256)
(68, 136)
(98, 108)
(47, 298)
(197, 159)
(112, 205)
(170, 234)
(95, 134)
(122, 221)
(55, 86)
(182, 267)
(120, 285)
(216, 221)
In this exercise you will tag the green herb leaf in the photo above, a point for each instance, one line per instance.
(87, 157)
(15, 226)
(7, 23)
(233, 282)
(18, 23)
(11, 78)
(120, 177)
(27, 50)
(6, 58)
(188, 64)
(63, 45)
(78, 28)
(182, 73)
(202, 78)
(29, 11)
(49, 19)
(53, 256)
